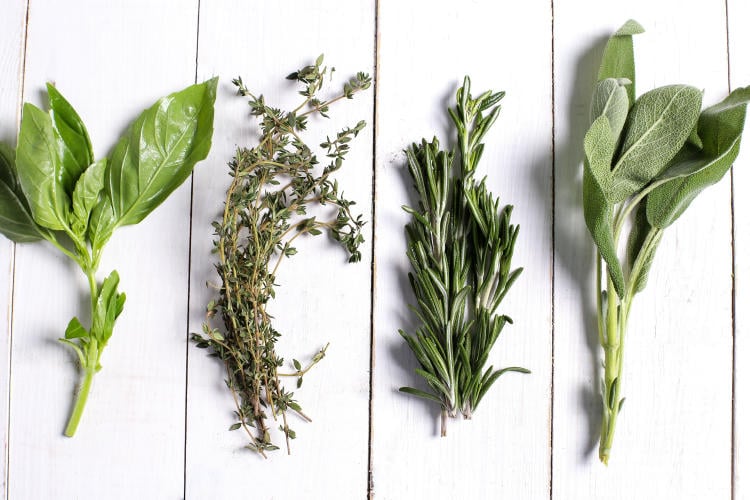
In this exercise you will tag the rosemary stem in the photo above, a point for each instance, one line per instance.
(90, 359)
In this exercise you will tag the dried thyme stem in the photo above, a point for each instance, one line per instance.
(265, 211)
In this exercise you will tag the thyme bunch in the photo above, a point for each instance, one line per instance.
(265, 211)
(460, 245)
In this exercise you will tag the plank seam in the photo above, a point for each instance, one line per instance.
(21, 87)
(733, 280)
(189, 270)
(552, 253)
(373, 265)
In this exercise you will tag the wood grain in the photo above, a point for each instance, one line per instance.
(111, 62)
(321, 298)
(156, 423)
(739, 65)
(678, 375)
(12, 27)
(425, 50)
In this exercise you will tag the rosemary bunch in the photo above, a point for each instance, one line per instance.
(460, 245)
(265, 211)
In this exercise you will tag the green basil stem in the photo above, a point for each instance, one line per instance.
(89, 362)
(80, 404)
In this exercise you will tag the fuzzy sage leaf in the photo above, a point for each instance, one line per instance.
(720, 131)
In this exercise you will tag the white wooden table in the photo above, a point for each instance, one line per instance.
(156, 422)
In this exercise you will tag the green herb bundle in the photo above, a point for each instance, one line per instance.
(52, 188)
(265, 211)
(646, 160)
(460, 244)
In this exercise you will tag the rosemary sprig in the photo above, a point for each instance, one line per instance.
(265, 211)
(460, 245)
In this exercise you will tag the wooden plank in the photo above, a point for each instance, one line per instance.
(425, 50)
(678, 373)
(12, 34)
(739, 76)
(321, 298)
(111, 61)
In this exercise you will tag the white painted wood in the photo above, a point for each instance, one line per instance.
(739, 65)
(425, 50)
(111, 61)
(321, 298)
(674, 434)
(12, 33)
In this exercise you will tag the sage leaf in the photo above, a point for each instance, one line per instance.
(657, 127)
(159, 151)
(638, 234)
(720, 129)
(669, 153)
(86, 195)
(73, 144)
(618, 60)
(39, 169)
(599, 146)
(611, 99)
(16, 221)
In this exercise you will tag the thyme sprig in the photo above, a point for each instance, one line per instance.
(265, 211)
(460, 245)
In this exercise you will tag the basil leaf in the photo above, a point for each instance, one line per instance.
(611, 99)
(75, 330)
(658, 125)
(73, 143)
(40, 169)
(599, 145)
(618, 60)
(109, 305)
(102, 221)
(159, 151)
(16, 221)
(86, 195)
(8, 167)
(720, 129)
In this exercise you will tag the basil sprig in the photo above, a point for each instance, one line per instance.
(52, 188)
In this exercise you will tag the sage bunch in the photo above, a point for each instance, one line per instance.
(274, 184)
(52, 188)
(646, 160)
(460, 244)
